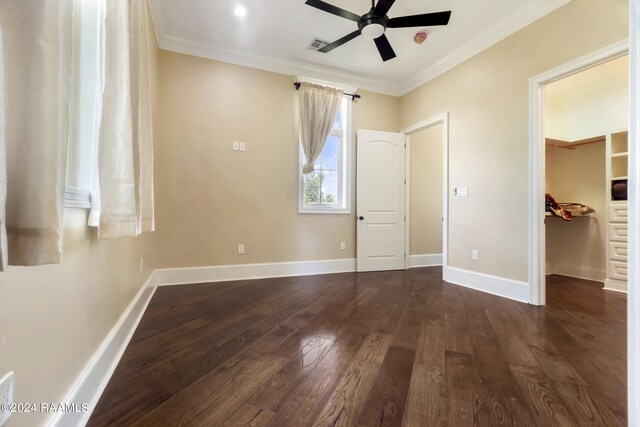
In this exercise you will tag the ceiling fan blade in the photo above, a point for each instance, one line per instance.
(384, 47)
(425, 20)
(383, 7)
(340, 42)
(329, 8)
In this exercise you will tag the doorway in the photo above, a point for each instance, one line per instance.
(537, 145)
(427, 160)
(586, 128)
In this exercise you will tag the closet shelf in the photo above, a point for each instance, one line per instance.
(615, 178)
(574, 215)
(623, 154)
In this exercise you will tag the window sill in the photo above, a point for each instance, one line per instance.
(77, 198)
(325, 211)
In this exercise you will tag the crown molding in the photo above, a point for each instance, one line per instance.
(519, 19)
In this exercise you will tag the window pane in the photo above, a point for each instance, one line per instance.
(312, 185)
(329, 156)
(336, 121)
(329, 193)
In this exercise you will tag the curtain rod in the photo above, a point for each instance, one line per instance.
(352, 95)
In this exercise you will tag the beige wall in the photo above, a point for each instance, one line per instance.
(54, 317)
(425, 191)
(578, 176)
(210, 198)
(591, 103)
(487, 101)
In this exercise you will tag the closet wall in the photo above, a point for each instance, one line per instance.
(577, 248)
(585, 105)
(425, 192)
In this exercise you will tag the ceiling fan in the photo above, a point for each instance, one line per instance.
(374, 23)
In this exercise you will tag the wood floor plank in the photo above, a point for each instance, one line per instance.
(214, 397)
(457, 338)
(248, 416)
(427, 398)
(280, 384)
(385, 403)
(585, 406)
(513, 345)
(302, 405)
(374, 348)
(548, 404)
(465, 406)
(348, 398)
(430, 345)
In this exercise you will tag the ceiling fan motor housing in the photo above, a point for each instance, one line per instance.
(372, 26)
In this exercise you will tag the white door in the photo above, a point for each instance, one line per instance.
(380, 200)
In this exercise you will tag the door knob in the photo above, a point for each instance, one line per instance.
(361, 218)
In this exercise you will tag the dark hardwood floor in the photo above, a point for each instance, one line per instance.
(371, 349)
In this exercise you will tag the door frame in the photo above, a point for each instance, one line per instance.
(443, 119)
(537, 244)
(633, 291)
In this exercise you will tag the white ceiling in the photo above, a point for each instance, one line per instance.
(274, 35)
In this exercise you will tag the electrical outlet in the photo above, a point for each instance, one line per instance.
(6, 395)
(343, 246)
(475, 255)
(240, 249)
(236, 146)
(141, 265)
(243, 146)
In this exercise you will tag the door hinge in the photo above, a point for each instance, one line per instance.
(405, 218)
(405, 182)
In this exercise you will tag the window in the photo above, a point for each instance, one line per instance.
(327, 188)
(87, 22)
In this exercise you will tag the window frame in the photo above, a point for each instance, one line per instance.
(344, 169)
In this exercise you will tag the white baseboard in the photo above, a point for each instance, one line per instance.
(495, 285)
(89, 386)
(615, 285)
(429, 260)
(223, 273)
(578, 272)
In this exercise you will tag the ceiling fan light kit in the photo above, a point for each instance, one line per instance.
(374, 23)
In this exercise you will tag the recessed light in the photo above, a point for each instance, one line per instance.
(240, 11)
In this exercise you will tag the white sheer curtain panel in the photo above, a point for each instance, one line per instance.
(122, 196)
(36, 57)
(318, 106)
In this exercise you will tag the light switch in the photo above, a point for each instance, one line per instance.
(243, 146)
(236, 145)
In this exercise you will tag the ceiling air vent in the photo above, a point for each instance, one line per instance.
(316, 44)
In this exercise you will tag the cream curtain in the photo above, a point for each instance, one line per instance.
(318, 106)
(3, 171)
(122, 196)
(36, 57)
